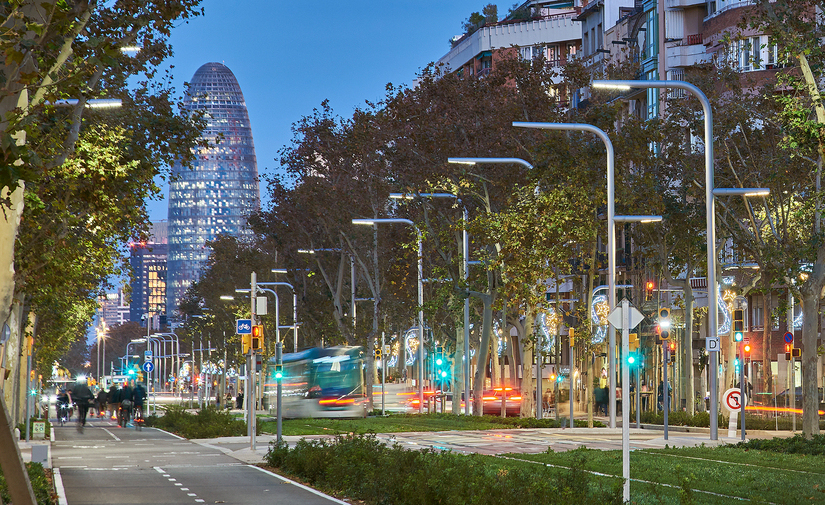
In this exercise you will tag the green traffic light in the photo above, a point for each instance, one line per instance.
(738, 336)
(439, 361)
(443, 373)
(279, 376)
(631, 359)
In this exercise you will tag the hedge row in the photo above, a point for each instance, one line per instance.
(41, 484)
(208, 422)
(359, 467)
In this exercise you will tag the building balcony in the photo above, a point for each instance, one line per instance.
(683, 4)
(548, 30)
(686, 55)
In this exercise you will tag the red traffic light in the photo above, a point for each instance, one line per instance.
(650, 285)
(747, 348)
(672, 345)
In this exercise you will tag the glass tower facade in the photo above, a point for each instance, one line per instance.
(218, 193)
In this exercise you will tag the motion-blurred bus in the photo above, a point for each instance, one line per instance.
(319, 382)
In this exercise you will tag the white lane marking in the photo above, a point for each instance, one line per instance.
(112, 434)
(191, 494)
(172, 479)
(168, 433)
(73, 466)
(58, 486)
(51, 435)
(184, 489)
(70, 457)
(161, 471)
(305, 488)
(178, 484)
(199, 500)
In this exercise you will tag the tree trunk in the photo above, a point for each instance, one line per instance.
(482, 355)
(529, 399)
(688, 374)
(767, 356)
(458, 369)
(9, 222)
(810, 334)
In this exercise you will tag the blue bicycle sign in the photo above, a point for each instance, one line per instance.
(243, 326)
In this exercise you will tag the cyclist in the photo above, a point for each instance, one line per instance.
(125, 405)
(83, 396)
(138, 399)
(64, 406)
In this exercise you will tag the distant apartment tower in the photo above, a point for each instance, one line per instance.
(217, 194)
(113, 308)
(148, 261)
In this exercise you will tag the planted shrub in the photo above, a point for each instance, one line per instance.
(360, 467)
(209, 422)
(797, 444)
(41, 485)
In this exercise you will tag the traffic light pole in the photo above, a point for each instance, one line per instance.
(665, 395)
(250, 369)
(383, 377)
(742, 386)
(279, 362)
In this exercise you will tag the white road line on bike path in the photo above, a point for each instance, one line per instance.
(305, 488)
(173, 480)
(112, 434)
(58, 486)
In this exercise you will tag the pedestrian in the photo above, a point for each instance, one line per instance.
(82, 396)
(125, 405)
(239, 400)
(217, 398)
(228, 400)
(102, 401)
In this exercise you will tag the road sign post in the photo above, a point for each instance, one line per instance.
(732, 401)
(625, 317)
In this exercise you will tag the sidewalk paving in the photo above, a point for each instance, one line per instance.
(501, 441)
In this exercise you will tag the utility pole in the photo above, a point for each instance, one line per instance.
(250, 367)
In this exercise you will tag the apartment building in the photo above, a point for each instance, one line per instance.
(548, 28)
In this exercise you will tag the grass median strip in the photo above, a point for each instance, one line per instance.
(706, 475)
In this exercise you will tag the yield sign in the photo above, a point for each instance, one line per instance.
(635, 317)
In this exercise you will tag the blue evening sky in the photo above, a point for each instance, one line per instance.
(289, 56)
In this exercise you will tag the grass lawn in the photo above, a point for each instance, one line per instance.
(396, 423)
(705, 475)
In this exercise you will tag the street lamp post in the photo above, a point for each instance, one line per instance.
(611, 241)
(710, 209)
(278, 354)
(374, 222)
(466, 254)
(294, 304)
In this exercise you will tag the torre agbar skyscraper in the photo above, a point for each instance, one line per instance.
(218, 193)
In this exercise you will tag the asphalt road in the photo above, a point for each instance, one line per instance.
(107, 465)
